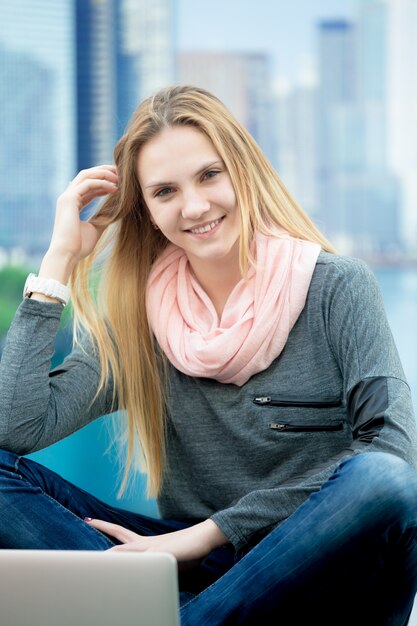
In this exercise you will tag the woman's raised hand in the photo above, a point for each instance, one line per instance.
(74, 239)
(71, 236)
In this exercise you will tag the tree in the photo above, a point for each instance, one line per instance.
(12, 282)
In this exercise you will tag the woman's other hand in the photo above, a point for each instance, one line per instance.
(189, 546)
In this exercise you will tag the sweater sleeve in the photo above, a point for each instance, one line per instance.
(375, 391)
(40, 407)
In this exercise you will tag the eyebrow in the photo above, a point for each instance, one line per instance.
(200, 171)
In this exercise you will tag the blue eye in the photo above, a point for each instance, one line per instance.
(163, 192)
(211, 174)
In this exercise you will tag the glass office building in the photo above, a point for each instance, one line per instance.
(402, 110)
(72, 72)
(243, 82)
(125, 50)
(355, 181)
(37, 109)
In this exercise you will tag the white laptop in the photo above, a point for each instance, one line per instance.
(83, 588)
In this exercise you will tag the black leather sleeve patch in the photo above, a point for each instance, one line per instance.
(367, 403)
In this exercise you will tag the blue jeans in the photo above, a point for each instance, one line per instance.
(348, 555)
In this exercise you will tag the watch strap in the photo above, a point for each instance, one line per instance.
(48, 287)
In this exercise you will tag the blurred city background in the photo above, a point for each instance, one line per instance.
(328, 88)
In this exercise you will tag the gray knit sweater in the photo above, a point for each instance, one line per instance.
(245, 456)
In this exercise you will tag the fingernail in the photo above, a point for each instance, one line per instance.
(88, 519)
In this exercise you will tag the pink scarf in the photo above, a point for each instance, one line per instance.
(257, 318)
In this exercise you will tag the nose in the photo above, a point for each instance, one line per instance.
(194, 205)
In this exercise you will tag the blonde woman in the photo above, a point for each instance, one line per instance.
(254, 367)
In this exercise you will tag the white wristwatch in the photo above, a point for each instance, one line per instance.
(48, 286)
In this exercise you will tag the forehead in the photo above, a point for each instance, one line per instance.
(174, 149)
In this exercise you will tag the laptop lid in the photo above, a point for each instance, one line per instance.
(85, 588)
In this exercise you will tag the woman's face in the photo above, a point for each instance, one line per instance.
(190, 197)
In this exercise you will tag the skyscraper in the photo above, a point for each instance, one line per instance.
(148, 34)
(72, 72)
(402, 110)
(125, 51)
(380, 206)
(243, 83)
(297, 150)
(372, 80)
(26, 166)
(95, 45)
(37, 109)
(337, 119)
(356, 186)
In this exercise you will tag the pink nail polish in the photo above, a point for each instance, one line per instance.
(88, 519)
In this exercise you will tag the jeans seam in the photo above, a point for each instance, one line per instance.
(233, 568)
(61, 506)
(16, 467)
(58, 504)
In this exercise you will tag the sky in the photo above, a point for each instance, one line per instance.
(283, 29)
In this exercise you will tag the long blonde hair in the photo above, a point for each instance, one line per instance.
(116, 318)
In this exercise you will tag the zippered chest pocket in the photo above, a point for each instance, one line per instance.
(298, 415)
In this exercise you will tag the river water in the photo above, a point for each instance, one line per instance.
(399, 291)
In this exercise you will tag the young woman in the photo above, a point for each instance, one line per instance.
(256, 370)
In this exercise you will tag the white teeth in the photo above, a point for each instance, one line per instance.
(205, 229)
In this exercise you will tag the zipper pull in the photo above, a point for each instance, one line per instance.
(277, 426)
(262, 400)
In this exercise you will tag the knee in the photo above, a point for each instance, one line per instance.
(383, 479)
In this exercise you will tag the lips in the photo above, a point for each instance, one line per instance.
(205, 228)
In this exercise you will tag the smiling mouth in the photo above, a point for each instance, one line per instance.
(205, 229)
